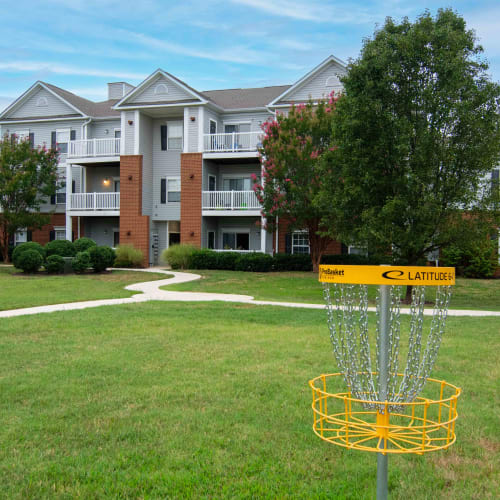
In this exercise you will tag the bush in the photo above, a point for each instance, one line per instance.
(254, 262)
(83, 244)
(64, 248)
(476, 260)
(81, 262)
(179, 256)
(23, 247)
(292, 262)
(226, 261)
(54, 264)
(128, 256)
(29, 261)
(204, 259)
(101, 258)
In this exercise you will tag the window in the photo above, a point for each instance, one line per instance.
(59, 233)
(170, 190)
(21, 236)
(300, 242)
(62, 137)
(174, 189)
(211, 240)
(235, 241)
(161, 89)
(237, 184)
(213, 126)
(212, 183)
(22, 135)
(171, 136)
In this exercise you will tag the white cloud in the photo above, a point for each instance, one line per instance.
(62, 69)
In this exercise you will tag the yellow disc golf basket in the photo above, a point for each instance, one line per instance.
(395, 408)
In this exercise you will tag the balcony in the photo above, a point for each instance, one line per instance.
(216, 203)
(94, 204)
(232, 144)
(103, 149)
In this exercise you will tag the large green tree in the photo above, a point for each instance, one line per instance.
(416, 131)
(292, 147)
(27, 177)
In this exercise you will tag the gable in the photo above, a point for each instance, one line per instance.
(161, 89)
(319, 85)
(40, 103)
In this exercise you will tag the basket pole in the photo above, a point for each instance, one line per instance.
(383, 364)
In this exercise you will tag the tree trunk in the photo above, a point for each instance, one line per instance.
(407, 299)
(317, 245)
(4, 244)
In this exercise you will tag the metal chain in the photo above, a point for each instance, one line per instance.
(347, 317)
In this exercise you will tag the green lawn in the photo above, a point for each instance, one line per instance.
(158, 400)
(18, 290)
(304, 287)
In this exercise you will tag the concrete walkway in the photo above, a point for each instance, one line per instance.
(150, 290)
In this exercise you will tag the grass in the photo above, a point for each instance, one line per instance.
(18, 290)
(158, 400)
(304, 287)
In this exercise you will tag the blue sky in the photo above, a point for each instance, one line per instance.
(80, 45)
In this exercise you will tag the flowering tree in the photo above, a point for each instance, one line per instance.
(27, 177)
(291, 152)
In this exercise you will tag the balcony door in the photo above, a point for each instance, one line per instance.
(237, 184)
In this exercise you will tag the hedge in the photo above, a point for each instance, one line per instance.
(54, 264)
(64, 248)
(29, 261)
(83, 244)
(23, 247)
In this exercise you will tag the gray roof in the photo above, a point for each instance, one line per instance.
(89, 108)
(245, 98)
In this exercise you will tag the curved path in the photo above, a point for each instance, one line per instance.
(150, 290)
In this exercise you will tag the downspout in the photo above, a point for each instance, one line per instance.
(84, 128)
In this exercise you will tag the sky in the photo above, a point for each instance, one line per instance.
(80, 45)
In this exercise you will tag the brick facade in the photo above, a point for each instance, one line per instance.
(134, 227)
(333, 248)
(191, 184)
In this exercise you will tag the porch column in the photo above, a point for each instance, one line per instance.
(263, 234)
(69, 184)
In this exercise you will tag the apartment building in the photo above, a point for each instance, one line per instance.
(162, 163)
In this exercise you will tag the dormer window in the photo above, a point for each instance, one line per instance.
(161, 89)
(331, 81)
(42, 102)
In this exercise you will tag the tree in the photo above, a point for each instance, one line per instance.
(27, 177)
(417, 129)
(291, 152)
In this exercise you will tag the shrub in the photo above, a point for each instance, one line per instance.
(83, 244)
(254, 262)
(101, 258)
(23, 247)
(204, 259)
(292, 262)
(81, 262)
(128, 256)
(54, 264)
(29, 261)
(475, 260)
(178, 256)
(226, 261)
(64, 248)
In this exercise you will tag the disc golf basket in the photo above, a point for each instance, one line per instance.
(388, 404)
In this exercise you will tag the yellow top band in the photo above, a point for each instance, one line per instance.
(387, 275)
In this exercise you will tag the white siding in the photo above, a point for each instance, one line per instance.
(100, 229)
(165, 164)
(174, 92)
(97, 130)
(129, 133)
(192, 137)
(212, 115)
(96, 176)
(315, 87)
(255, 119)
(29, 108)
(220, 172)
(146, 149)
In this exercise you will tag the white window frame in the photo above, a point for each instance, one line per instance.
(58, 143)
(42, 102)
(170, 125)
(237, 176)
(293, 245)
(18, 233)
(158, 91)
(59, 232)
(208, 239)
(22, 135)
(175, 179)
(210, 121)
(61, 200)
(215, 181)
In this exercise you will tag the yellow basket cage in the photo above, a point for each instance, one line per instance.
(420, 426)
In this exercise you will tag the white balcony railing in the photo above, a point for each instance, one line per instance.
(232, 142)
(95, 201)
(230, 200)
(90, 148)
